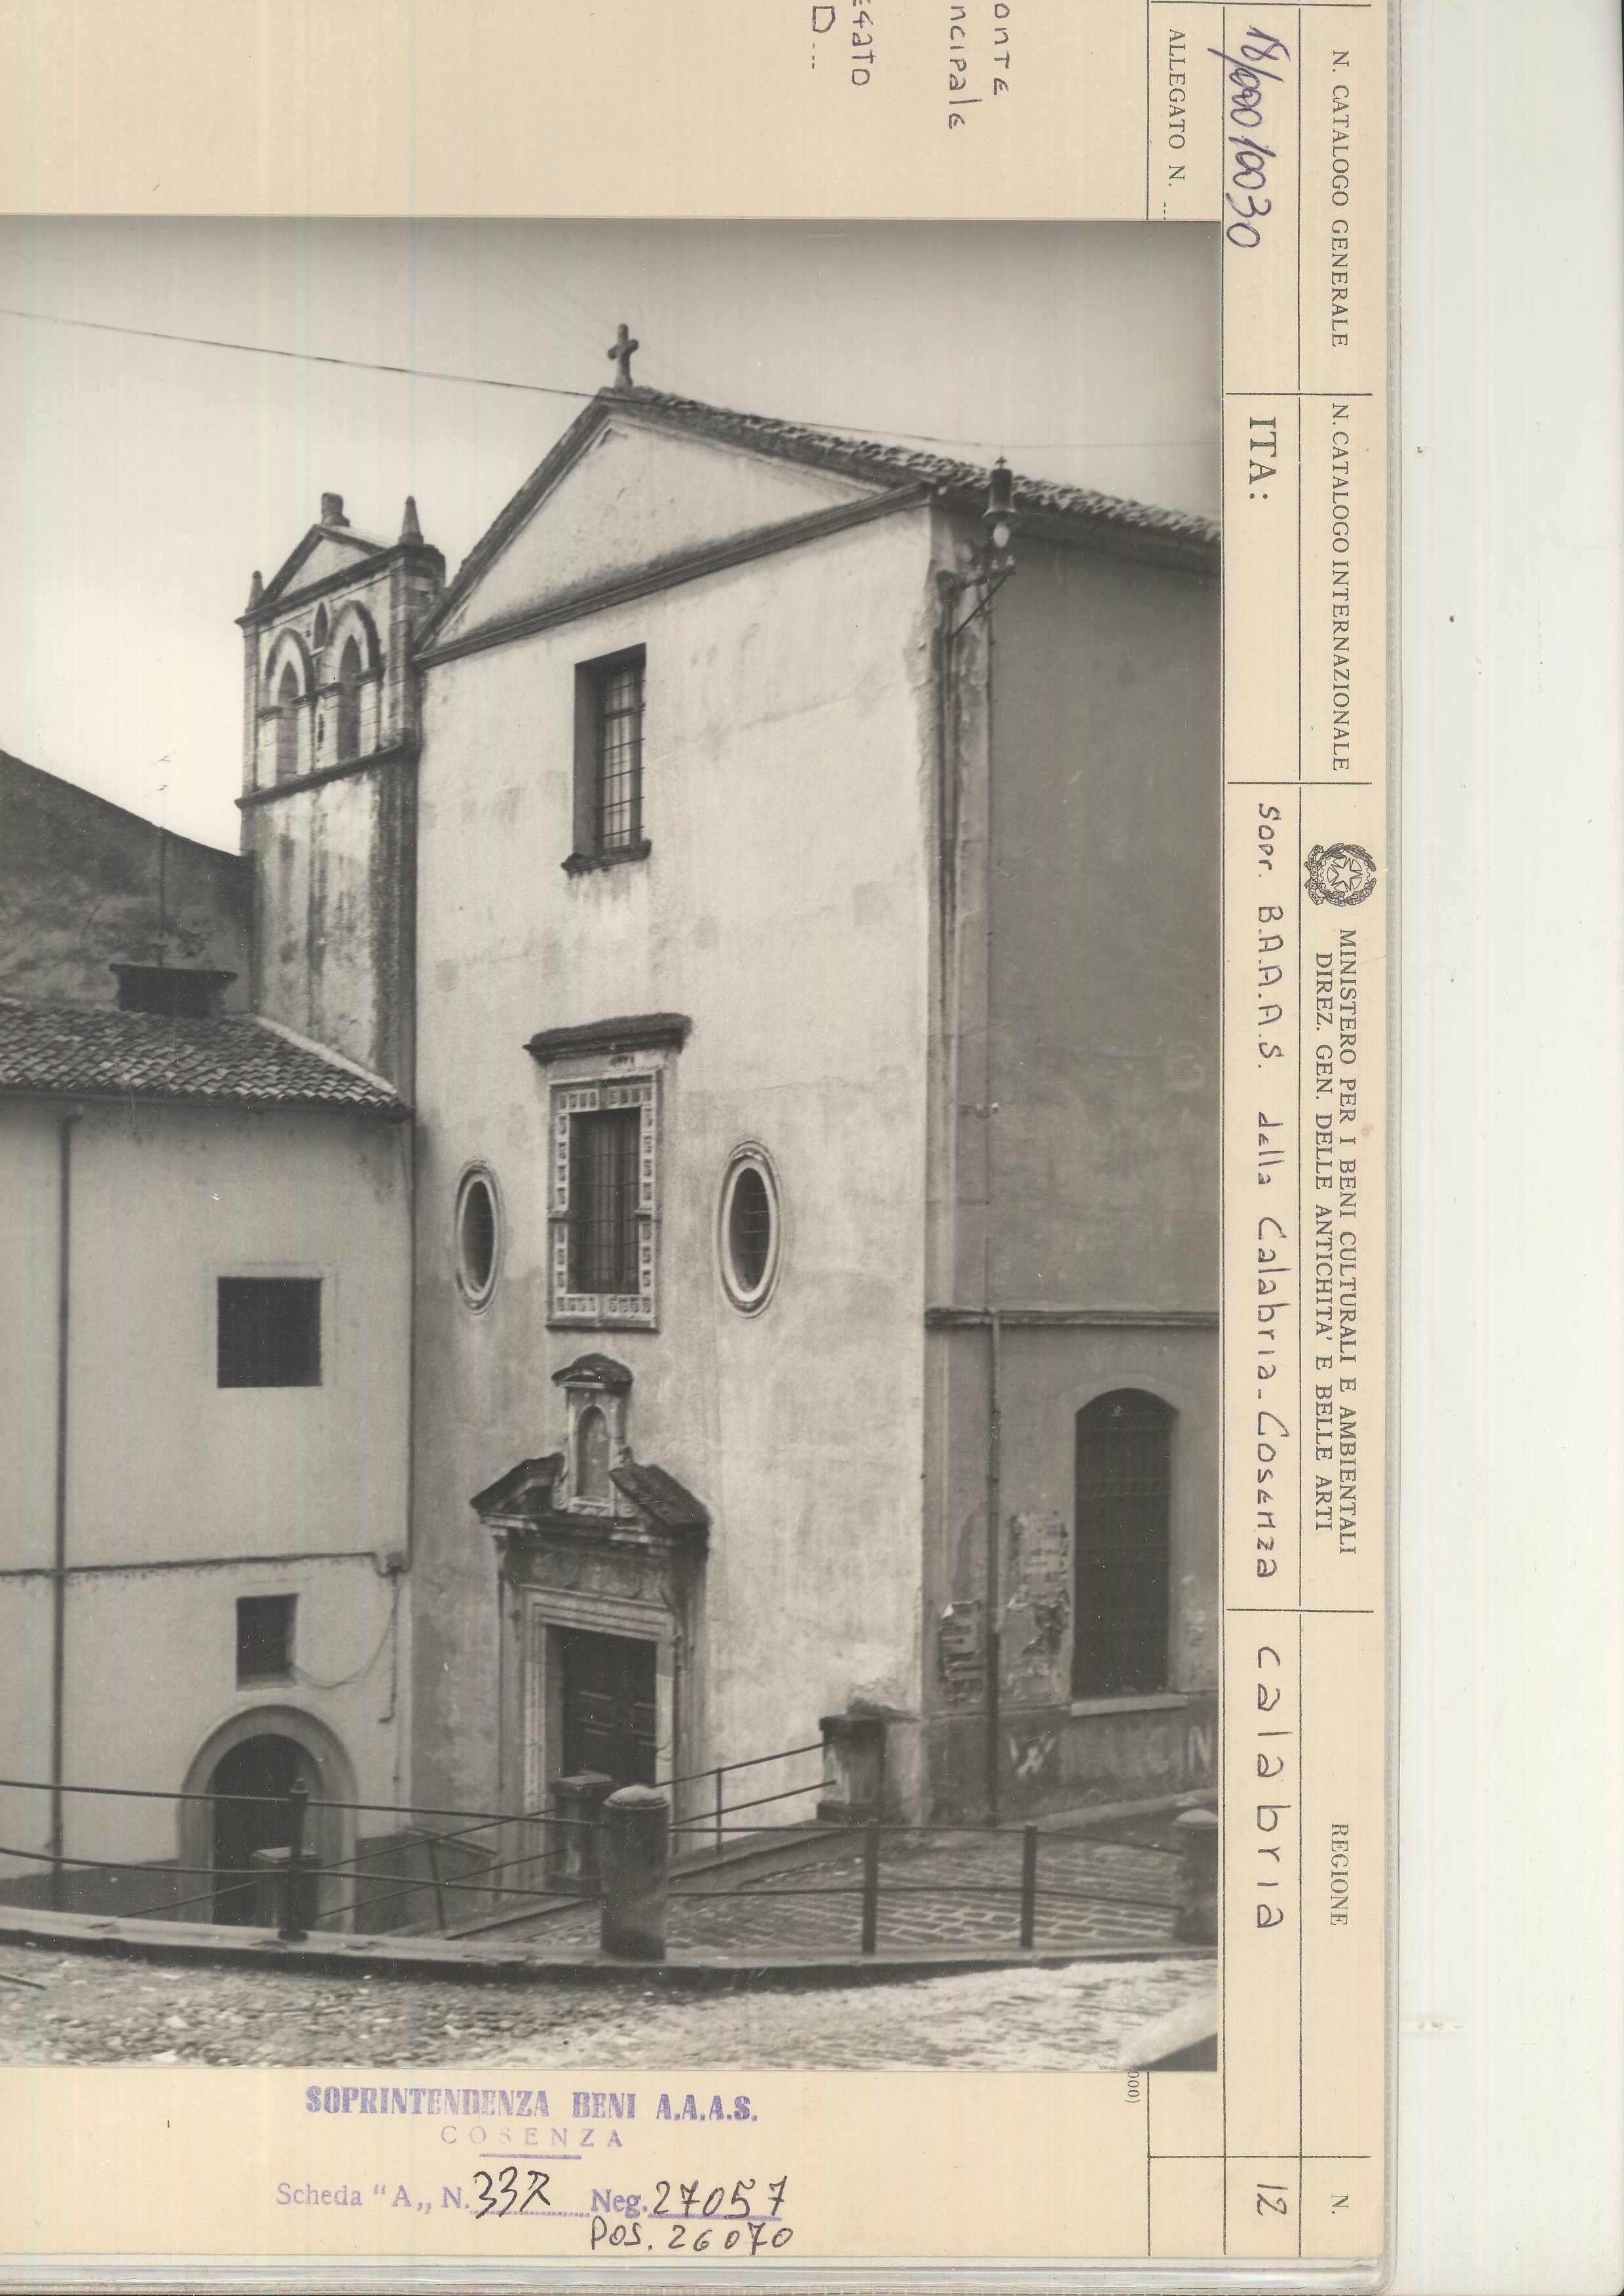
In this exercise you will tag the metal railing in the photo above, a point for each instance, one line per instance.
(473, 1874)
(713, 1822)
(1025, 1887)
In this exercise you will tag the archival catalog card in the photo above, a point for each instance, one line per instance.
(694, 1071)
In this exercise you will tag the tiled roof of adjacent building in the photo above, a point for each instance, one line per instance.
(908, 466)
(232, 1060)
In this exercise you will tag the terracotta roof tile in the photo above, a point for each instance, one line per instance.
(660, 1495)
(232, 1060)
(868, 458)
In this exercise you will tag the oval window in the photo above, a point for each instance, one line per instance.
(750, 1229)
(476, 1237)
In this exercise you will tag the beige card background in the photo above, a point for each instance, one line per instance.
(1117, 109)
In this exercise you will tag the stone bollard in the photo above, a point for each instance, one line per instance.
(1196, 1920)
(854, 1768)
(577, 1804)
(634, 1851)
(267, 1894)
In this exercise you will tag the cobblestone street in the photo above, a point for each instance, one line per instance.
(937, 1888)
(90, 2009)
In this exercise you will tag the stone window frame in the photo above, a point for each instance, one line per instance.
(749, 1156)
(611, 1088)
(477, 1297)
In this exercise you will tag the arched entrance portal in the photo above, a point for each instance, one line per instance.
(263, 1772)
(251, 1764)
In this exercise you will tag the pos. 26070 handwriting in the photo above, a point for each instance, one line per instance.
(1249, 155)
(692, 2219)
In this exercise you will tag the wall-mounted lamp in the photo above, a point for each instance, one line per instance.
(998, 518)
(989, 568)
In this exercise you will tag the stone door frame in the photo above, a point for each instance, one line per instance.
(534, 1716)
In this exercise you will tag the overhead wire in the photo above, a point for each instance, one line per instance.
(551, 390)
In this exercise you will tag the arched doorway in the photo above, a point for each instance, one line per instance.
(253, 1782)
(250, 1763)
(1124, 1491)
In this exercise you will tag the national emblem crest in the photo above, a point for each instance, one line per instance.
(1342, 874)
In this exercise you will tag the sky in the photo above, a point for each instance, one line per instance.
(143, 481)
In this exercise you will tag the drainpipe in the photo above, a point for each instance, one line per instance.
(949, 735)
(59, 1561)
(995, 1474)
(995, 1439)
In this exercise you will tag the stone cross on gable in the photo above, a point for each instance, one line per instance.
(621, 350)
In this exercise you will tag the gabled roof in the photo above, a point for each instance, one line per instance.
(284, 581)
(866, 461)
(230, 1060)
(660, 1497)
(595, 1370)
(525, 1489)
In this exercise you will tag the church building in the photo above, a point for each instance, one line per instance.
(816, 1084)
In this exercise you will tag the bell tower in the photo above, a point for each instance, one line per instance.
(330, 742)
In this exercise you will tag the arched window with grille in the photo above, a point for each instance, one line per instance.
(347, 734)
(1124, 1497)
(288, 699)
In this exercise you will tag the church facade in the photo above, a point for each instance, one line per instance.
(816, 1096)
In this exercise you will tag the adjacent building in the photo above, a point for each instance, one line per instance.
(205, 1304)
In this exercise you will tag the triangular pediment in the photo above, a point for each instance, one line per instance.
(526, 1489)
(324, 550)
(624, 492)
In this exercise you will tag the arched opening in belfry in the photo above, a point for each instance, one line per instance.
(348, 730)
(288, 699)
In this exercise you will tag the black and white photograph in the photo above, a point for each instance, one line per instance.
(609, 1081)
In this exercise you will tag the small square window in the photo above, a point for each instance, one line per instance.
(270, 1331)
(265, 1638)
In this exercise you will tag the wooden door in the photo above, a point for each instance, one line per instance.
(609, 1707)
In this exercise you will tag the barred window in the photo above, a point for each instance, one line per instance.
(619, 779)
(477, 1237)
(604, 1148)
(748, 1228)
(608, 762)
